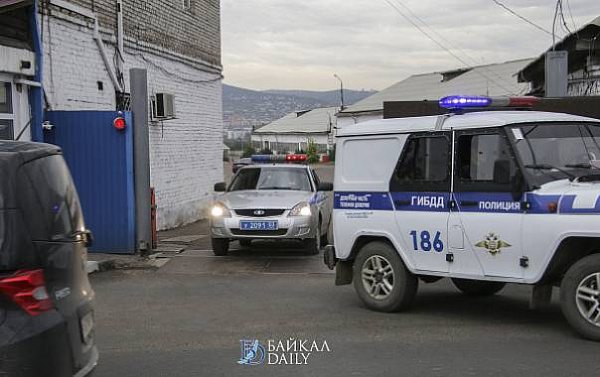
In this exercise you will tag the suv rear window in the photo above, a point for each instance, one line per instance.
(49, 199)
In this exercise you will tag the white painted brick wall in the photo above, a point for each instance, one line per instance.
(185, 153)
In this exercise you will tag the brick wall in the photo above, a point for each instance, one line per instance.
(194, 32)
(185, 153)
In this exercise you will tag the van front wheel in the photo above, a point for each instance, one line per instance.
(381, 279)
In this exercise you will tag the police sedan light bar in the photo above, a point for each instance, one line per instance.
(470, 102)
(267, 158)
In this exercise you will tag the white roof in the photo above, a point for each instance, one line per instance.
(491, 80)
(313, 121)
(457, 121)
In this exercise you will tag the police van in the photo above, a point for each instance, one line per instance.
(479, 196)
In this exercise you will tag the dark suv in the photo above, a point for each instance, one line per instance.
(46, 301)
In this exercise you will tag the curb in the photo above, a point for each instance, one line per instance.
(119, 264)
(92, 266)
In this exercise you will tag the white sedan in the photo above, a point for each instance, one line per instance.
(271, 202)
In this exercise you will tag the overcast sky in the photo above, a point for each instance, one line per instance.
(300, 44)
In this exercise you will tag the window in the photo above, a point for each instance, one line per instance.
(485, 163)
(423, 166)
(315, 179)
(568, 149)
(5, 98)
(48, 199)
(187, 4)
(6, 129)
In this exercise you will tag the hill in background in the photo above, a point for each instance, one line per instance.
(246, 108)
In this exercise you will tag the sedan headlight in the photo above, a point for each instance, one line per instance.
(301, 209)
(219, 210)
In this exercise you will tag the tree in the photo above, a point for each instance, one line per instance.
(311, 151)
(248, 150)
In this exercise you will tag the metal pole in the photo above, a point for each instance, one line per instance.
(35, 92)
(120, 58)
(341, 90)
(141, 157)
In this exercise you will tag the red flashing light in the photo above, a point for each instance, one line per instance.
(27, 289)
(119, 123)
(295, 157)
(527, 101)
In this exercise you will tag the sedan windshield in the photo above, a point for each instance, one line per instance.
(271, 178)
(558, 151)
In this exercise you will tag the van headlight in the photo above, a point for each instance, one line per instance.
(301, 209)
(219, 210)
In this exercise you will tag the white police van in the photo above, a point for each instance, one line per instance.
(485, 198)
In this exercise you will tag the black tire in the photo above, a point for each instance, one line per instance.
(478, 287)
(324, 239)
(581, 272)
(245, 243)
(404, 283)
(220, 246)
(313, 245)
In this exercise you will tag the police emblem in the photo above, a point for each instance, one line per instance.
(493, 244)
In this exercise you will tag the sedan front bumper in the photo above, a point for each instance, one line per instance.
(297, 227)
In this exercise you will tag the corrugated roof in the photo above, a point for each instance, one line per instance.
(492, 79)
(579, 44)
(312, 121)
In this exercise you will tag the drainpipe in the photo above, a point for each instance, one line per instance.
(120, 58)
(36, 92)
(111, 73)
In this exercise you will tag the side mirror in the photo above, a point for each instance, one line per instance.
(89, 238)
(325, 186)
(220, 187)
(502, 172)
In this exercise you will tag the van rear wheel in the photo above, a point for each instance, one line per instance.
(478, 287)
(381, 279)
(580, 297)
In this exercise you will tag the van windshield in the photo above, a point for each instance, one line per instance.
(558, 151)
(49, 200)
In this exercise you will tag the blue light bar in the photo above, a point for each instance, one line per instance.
(456, 102)
(261, 158)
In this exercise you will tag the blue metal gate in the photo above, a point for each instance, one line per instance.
(100, 158)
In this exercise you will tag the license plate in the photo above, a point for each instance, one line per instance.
(87, 326)
(259, 225)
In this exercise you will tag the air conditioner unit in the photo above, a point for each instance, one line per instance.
(163, 106)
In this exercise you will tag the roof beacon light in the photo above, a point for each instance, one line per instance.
(470, 102)
(457, 102)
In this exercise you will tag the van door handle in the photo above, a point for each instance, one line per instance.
(468, 203)
(402, 202)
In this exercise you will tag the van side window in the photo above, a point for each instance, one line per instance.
(423, 166)
(485, 163)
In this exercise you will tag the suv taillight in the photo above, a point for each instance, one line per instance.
(28, 290)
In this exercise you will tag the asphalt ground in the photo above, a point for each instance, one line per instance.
(188, 318)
